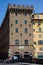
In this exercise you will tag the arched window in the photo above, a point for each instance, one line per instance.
(16, 21)
(25, 30)
(16, 30)
(39, 29)
(25, 21)
(26, 42)
(16, 41)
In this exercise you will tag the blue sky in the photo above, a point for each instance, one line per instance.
(38, 6)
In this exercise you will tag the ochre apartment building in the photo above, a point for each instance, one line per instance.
(38, 35)
(17, 30)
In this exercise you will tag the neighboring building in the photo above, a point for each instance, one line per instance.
(38, 35)
(5, 37)
(0, 35)
(1, 48)
(17, 30)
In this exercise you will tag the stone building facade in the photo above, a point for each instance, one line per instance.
(17, 30)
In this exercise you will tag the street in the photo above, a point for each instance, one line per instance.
(19, 64)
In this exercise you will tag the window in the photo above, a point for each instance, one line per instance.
(34, 30)
(20, 25)
(30, 34)
(32, 16)
(25, 30)
(29, 25)
(25, 21)
(26, 42)
(40, 35)
(16, 14)
(16, 30)
(34, 48)
(39, 22)
(16, 41)
(41, 48)
(11, 33)
(16, 21)
(33, 23)
(40, 41)
(40, 53)
(21, 34)
(11, 25)
(25, 14)
(39, 29)
(34, 42)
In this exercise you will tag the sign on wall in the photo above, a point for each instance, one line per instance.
(21, 47)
